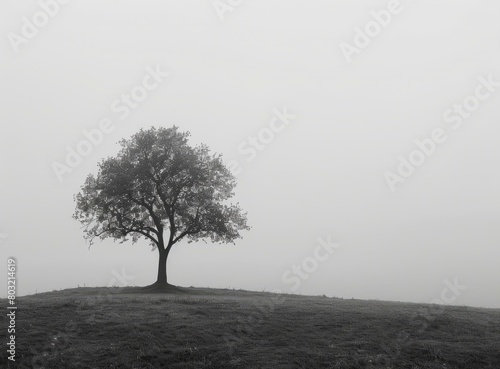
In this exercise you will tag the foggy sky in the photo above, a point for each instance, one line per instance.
(321, 175)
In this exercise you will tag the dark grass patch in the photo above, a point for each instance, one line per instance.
(111, 328)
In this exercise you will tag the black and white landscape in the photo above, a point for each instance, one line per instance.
(250, 184)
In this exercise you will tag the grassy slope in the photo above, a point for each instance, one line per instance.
(107, 328)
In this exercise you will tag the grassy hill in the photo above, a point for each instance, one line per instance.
(205, 328)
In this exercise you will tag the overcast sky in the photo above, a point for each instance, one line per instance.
(334, 113)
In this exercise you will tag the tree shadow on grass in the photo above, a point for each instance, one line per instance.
(157, 288)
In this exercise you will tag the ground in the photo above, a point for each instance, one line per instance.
(207, 328)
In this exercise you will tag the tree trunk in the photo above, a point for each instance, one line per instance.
(162, 268)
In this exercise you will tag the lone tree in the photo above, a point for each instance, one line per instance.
(158, 183)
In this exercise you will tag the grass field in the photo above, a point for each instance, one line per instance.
(205, 328)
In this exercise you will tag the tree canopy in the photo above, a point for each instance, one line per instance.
(161, 189)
